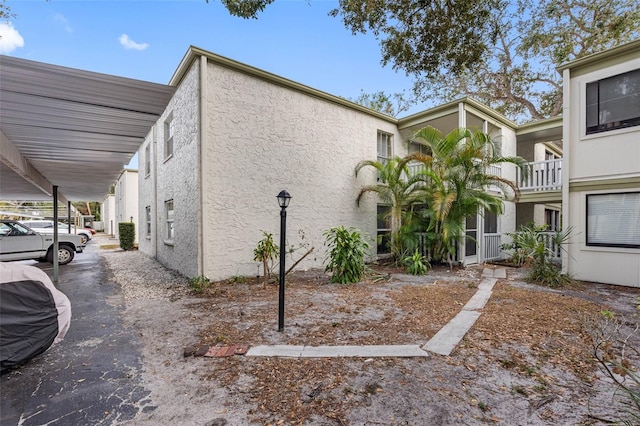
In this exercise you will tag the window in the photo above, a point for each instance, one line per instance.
(613, 220)
(169, 214)
(384, 229)
(147, 216)
(614, 102)
(418, 148)
(548, 155)
(147, 160)
(385, 146)
(168, 136)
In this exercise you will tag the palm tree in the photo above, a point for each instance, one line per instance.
(398, 186)
(458, 172)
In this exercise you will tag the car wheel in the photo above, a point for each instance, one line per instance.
(65, 255)
(84, 239)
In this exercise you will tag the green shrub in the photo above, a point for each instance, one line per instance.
(416, 264)
(200, 283)
(266, 251)
(127, 235)
(530, 248)
(347, 250)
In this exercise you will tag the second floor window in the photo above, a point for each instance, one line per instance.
(168, 137)
(385, 146)
(614, 102)
(147, 160)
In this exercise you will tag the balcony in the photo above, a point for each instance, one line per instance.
(541, 176)
(541, 182)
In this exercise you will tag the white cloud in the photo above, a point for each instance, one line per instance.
(127, 43)
(60, 19)
(10, 38)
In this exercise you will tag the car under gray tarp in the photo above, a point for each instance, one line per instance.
(34, 314)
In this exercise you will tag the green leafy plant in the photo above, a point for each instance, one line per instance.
(266, 251)
(416, 264)
(200, 283)
(532, 246)
(347, 251)
(126, 234)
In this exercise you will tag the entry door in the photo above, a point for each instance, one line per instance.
(471, 240)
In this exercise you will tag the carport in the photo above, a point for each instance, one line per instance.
(66, 134)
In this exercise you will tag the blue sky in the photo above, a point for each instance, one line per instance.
(147, 39)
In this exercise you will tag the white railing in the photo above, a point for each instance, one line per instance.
(492, 249)
(494, 170)
(550, 245)
(541, 176)
(415, 167)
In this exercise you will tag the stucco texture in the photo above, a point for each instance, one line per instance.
(175, 177)
(262, 138)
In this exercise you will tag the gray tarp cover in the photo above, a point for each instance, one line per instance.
(33, 313)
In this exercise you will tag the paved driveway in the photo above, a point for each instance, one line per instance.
(93, 376)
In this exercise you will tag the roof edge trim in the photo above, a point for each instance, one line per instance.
(194, 52)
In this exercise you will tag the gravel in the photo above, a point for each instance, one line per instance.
(142, 277)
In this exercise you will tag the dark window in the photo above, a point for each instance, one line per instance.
(384, 229)
(614, 102)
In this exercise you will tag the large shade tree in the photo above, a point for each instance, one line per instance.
(504, 53)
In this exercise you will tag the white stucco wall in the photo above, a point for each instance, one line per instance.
(176, 178)
(606, 162)
(108, 211)
(126, 200)
(146, 193)
(605, 154)
(508, 219)
(262, 138)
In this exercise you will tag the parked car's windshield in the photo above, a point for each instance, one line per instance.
(13, 229)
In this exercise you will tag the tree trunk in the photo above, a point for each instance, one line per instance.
(265, 279)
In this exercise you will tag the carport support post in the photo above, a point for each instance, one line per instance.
(54, 250)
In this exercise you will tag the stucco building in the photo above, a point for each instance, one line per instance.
(233, 136)
(601, 180)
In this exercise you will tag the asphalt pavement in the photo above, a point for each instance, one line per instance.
(93, 376)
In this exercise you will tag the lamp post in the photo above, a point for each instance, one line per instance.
(283, 202)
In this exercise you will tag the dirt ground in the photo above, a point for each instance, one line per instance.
(528, 360)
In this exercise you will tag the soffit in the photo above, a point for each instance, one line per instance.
(77, 128)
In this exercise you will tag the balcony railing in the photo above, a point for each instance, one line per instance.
(541, 176)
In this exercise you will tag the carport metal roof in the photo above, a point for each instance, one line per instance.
(71, 128)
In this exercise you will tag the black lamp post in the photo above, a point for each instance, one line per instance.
(283, 202)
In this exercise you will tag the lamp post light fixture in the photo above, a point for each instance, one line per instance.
(283, 202)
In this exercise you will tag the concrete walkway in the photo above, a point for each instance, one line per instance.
(443, 343)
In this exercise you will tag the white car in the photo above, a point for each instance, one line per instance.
(18, 242)
(46, 227)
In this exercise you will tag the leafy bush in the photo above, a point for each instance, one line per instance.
(200, 283)
(266, 251)
(127, 235)
(346, 256)
(416, 264)
(531, 247)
